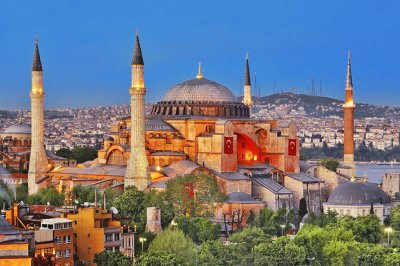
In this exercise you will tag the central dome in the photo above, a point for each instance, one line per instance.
(199, 89)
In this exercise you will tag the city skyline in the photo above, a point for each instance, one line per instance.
(86, 59)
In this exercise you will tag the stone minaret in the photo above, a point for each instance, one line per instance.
(247, 85)
(137, 168)
(348, 110)
(38, 161)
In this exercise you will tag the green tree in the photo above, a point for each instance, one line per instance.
(159, 258)
(338, 253)
(174, 241)
(199, 229)
(22, 192)
(330, 164)
(314, 239)
(395, 218)
(194, 195)
(64, 152)
(6, 195)
(369, 254)
(365, 228)
(158, 199)
(391, 259)
(107, 258)
(323, 219)
(251, 218)
(130, 204)
(83, 194)
(283, 251)
(302, 208)
(249, 238)
(47, 195)
(83, 154)
(215, 253)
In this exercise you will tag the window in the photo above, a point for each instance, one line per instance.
(116, 237)
(57, 240)
(67, 253)
(341, 212)
(58, 254)
(88, 235)
(67, 239)
(363, 212)
(108, 237)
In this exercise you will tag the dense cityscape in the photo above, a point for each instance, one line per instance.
(69, 128)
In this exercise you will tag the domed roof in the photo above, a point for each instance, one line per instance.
(200, 89)
(19, 128)
(357, 193)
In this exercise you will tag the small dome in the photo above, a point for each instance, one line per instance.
(18, 129)
(200, 89)
(357, 193)
(109, 138)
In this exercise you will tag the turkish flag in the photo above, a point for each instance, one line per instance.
(228, 145)
(292, 147)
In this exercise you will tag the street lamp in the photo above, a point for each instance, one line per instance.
(388, 230)
(311, 259)
(142, 240)
(283, 227)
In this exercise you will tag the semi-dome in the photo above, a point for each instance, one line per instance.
(18, 129)
(357, 193)
(199, 89)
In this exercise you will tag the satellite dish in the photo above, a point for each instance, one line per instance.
(114, 210)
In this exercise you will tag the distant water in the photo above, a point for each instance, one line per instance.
(375, 172)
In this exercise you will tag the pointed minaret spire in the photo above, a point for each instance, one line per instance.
(199, 73)
(247, 81)
(137, 58)
(36, 64)
(349, 78)
(247, 100)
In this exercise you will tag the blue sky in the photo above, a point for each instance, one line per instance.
(86, 47)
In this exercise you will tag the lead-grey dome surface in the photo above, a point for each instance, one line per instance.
(200, 89)
(18, 129)
(357, 193)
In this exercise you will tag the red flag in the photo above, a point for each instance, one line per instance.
(228, 145)
(292, 147)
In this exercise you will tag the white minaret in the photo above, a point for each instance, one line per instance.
(247, 100)
(137, 168)
(38, 165)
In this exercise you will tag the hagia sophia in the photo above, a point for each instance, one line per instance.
(199, 127)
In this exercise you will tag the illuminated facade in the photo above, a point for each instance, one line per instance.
(199, 127)
(95, 232)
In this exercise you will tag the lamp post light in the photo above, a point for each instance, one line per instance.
(282, 227)
(142, 240)
(388, 230)
(311, 259)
